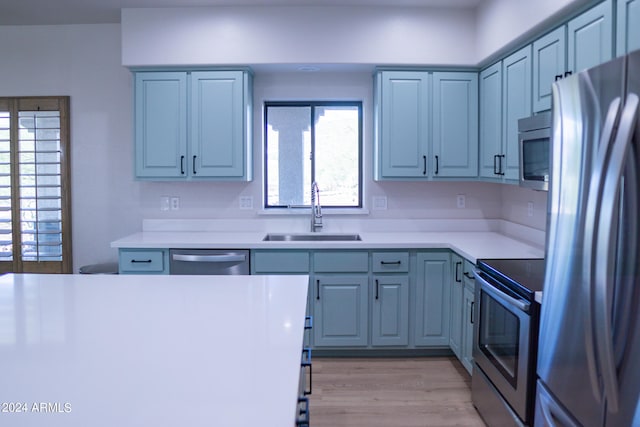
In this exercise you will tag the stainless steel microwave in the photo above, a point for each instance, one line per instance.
(534, 135)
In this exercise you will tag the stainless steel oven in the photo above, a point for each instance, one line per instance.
(505, 341)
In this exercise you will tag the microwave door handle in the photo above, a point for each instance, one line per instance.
(605, 248)
(522, 305)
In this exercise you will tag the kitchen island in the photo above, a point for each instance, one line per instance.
(117, 350)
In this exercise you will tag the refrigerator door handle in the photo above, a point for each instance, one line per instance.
(606, 250)
(592, 220)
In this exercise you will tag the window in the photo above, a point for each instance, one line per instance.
(308, 142)
(35, 223)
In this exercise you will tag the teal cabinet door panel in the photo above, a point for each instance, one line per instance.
(160, 124)
(455, 339)
(340, 311)
(549, 61)
(217, 130)
(467, 330)
(390, 316)
(433, 279)
(404, 104)
(455, 124)
(490, 120)
(516, 104)
(590, 38)
(627, 26)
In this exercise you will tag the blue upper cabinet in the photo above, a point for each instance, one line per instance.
(490, 121)
(402, 104)
(516, 104)
(627, 26)
(160, 124)
(426, 125)
(218, 131)
(193, 125)
(590, 38)
(549, 64)
(455, 124)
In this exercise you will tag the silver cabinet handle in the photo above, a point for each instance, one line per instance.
(209, 258)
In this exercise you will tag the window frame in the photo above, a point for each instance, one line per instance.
(312, 104)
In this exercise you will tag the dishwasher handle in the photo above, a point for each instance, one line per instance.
(210, 258)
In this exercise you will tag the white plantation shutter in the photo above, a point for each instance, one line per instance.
(40, 185)
(6, 239)
(34, 185)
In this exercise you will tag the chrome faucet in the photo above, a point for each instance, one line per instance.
(316, 211)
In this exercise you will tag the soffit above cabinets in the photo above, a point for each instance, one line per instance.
(47, 12)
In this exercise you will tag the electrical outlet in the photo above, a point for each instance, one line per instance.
(530, 209)
(461, 201)
(246, 202)
(175, 203)
(379, 203)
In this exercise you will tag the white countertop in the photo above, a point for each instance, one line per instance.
(472, 245)
(117, 350)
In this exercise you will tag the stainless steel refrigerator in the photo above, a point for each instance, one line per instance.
(589, 342)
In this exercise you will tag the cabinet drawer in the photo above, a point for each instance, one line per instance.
(391, 262)
(143, 261)
(341, 262)
(280, 262)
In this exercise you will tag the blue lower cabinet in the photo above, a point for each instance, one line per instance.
(390, 310)
(143, 261)
(433, 299)
(340, 312)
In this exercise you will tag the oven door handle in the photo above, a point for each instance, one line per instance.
(521, 304)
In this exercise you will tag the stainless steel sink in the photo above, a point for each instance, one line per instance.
(316, 237)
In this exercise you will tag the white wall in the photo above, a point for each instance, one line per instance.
(84, 62)
(299, 35)
(502, 22)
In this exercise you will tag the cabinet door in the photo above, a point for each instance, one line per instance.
(455, 339)
(467, 322)
(455, 125)
(217, 124)
(516, 104)
(404, 117)
(590, 38)
(549, 61)
(161, 124)
(340, 311)
(433, 279)
(628, 30)
(490, 120)
(390, 314)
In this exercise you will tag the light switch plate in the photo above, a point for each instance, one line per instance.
(164, 203)
(246, 202)
(379, 203)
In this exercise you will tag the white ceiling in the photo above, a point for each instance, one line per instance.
(52, 12)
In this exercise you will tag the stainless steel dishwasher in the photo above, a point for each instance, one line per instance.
(209, 261)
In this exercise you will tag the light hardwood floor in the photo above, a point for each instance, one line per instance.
(372, 392)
